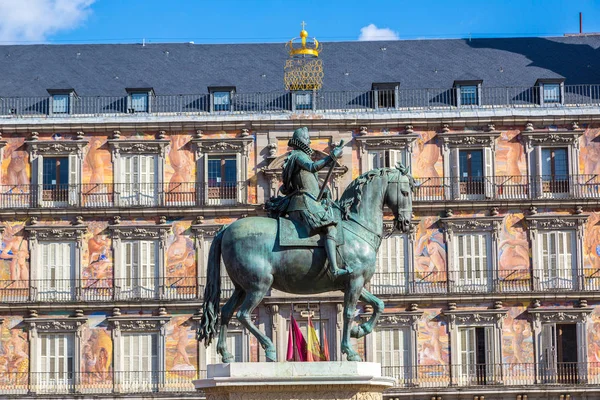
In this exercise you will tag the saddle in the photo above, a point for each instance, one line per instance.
(294, 233)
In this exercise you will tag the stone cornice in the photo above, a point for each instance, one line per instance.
(202, 231)
(54, 324)
(56, 232)
(468, 139)
(551, 222)
(471, 224)
(139, 232)
(138, 322)
(475, 317)
(396, 319)
(222, 145)
(550, 315)
(551, 138)
(55, 147)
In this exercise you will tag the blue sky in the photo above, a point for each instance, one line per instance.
(227, 21)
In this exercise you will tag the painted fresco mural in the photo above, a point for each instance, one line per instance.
(427, 161)
(181, 259)
(14, 353)
(97, 259)
(433, 347)
(181, 356)
(430, 255)
(510, 157)
(14, 261)
(513, 254)
(593, 337)
(517, 342)
(96, 352)
(589, 153)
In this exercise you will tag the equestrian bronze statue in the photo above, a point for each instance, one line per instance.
(308, 245)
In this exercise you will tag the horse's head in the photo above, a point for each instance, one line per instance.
(398, 196)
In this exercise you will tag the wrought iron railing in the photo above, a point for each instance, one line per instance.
(505, 374)
(322, 101)
(97, 382)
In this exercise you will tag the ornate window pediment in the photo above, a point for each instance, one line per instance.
(55, 147)
(205, 231)
(128, 323)
(468, 139)
(139, 232)
(476, 224)
(399, 142)
(396, 319)
(475, 317)
(222, 145)
(138, 146)
(51, 325)
(546, 138)
(559, 315)
(556, 221)
(56, 233)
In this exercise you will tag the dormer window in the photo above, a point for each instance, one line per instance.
(550, 91)
(138, 100)
(468, 93)
(61, 101)
(303, 100)
(221, 98)
(385, 95)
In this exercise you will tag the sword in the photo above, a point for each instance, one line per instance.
(322, 191)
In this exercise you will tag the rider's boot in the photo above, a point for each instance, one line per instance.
(330, 248)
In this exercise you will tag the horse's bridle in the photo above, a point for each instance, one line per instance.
(398, 210)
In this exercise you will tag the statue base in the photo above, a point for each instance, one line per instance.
(338, 380)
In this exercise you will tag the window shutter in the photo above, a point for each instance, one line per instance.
(127, 189)
(489, 172)
(372, 160)
(548, 355)
(467, 352)
(128, 266)
(148, 266)
(74, 179)
(455, 173)
(538, 177)
(395, 157)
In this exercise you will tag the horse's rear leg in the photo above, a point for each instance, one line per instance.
(367, 327)
(252, 300)
(353, 292)
(226, 313)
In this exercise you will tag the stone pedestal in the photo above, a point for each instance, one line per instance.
(335, 380)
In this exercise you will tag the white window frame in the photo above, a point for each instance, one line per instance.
(452, 144)
(73, 149)
(374, 148)
(38, 330)
(237, 147)
(408, 321)
(215, 90)
(298, 103)
(203, 236)
(570, 224)
(142, 233)
(541, 318)
(491, 320)
(488, 226)
(541, 91)
(393, 88)
(390, 278)
(535, 142)
(133, 148)
(54, 234)
(121, 327)
(458, 87)
(132, 106)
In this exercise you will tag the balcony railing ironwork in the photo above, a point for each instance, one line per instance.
(89, 383)
(506, 374)
(323, 102)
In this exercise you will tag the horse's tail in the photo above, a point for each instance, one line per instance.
(209, 323)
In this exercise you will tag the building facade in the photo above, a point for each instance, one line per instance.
(114, 181)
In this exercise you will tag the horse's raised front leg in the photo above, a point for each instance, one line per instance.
(367, 327)
(351, 296)
(253, 299)
(226, 313)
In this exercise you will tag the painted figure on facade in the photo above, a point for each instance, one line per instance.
(301, 185)
(256, 260)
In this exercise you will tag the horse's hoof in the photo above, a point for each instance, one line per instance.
(271, 355)
(227, 358)
(354, 357)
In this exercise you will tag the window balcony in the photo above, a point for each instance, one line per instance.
(89, 383)
(505, 375)
(507, 188)
(108, 195)
(376, 100)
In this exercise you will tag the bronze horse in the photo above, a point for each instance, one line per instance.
(255, 262)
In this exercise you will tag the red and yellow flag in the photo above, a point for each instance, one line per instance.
(314, 352)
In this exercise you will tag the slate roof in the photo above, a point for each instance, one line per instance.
(107, 69)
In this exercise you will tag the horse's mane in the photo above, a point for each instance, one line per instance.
(352, 196)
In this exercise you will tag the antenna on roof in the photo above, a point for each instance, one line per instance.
(143, 42)
(580, 23)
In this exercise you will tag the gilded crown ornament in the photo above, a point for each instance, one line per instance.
(303, 70)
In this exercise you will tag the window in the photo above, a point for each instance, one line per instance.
(392, 351)
(140, 186)
(472, 267)
(226, 283)
(390, 275)
(388, 158)
(56, 362)
(139, 361)
(303, 100)
(476, 352)
(385, 95)
(556, 256)
(61, 103)
(468, 95)
(56, 274)
(140, 272)
(471, 173)
(551, 93)
(139, 102)
(222, 101)
(222, 179)
(469, 162)
(55, 179)
(235, 345)
(555, 170)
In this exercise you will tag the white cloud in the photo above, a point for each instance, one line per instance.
(34, 20)
(372, 32)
